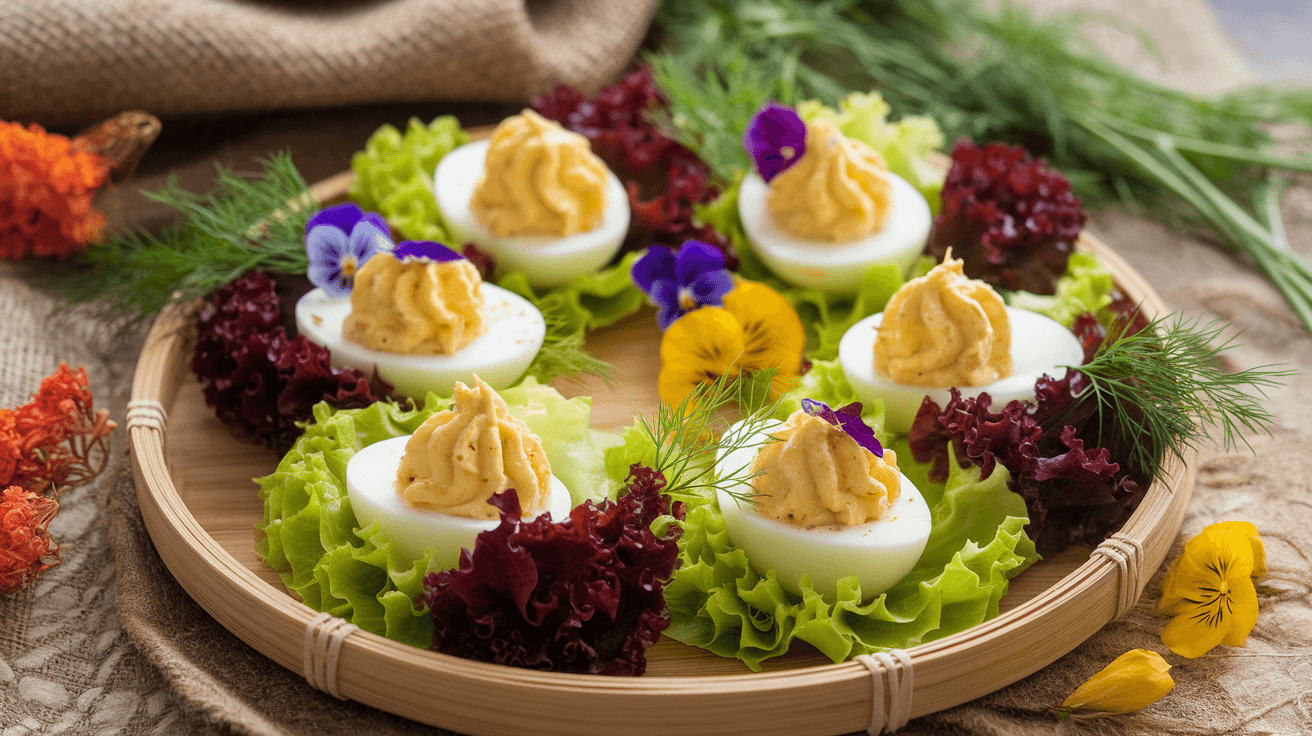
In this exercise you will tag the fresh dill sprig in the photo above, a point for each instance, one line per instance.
(246, 222)
(690, 436)
(1162, 390)
(562, 354)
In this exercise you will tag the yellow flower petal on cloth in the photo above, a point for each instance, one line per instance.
(1210, 591)
(1131, 682)
(698, 347)
(773, 336)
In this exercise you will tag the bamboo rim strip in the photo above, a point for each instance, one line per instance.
(480, 698)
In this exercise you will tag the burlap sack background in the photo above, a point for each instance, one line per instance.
(109, 643)
(66, 62)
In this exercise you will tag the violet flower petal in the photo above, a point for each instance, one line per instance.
(710, 287)
(657, 263)
(326, 246)
(775, 139)
(847, 419)
(366, 240)
(425, 250)
(665, 294)
(695, 258)
(375, 219)
(343, 217)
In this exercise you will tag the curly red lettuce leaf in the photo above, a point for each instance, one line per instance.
(1011, 218)
(1073, 495)
(582, 595)
(260, 382)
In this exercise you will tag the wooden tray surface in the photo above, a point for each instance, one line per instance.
(200, 507)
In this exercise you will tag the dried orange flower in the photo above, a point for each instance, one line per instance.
(46, 186)
(26, 548)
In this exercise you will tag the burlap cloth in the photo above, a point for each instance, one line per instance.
(76, 61)
(109, 643)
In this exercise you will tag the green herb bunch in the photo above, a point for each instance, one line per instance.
(992, 75)
(245, 222)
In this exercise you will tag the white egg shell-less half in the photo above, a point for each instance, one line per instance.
(515, 331)
(371, 485)
(548, 260)
(879, 554)
(1038, 345)
(835, 266)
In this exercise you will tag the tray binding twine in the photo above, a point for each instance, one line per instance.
(1127, 553)
(891, 683)
(147, 413)
(324, 635)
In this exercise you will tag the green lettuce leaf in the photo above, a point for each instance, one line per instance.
(908, 145)
(394, 175)
(1085, 287)
(826, 316)
(310, 534)
(587, 302)
(977, 543)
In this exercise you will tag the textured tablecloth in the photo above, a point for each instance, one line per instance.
(109, 643)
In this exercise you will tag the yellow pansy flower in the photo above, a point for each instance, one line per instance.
(757, 328)
(773, 336)
(1210, 591)
(1132, 681)
(698, 347)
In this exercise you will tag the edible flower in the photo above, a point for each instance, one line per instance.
(696, 277)
(775, 139)
(1131, 682)
(848, 419)
(756, 329)
(424, 250)
(1210, 591)
(338, 240)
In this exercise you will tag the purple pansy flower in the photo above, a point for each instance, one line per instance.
(775, 138)
(338, 240)
(696, 277)
(848, 419)
(424, 250)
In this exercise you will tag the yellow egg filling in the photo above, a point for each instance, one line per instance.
(815, 475)
(460, 457)
(418, 307)
(944, 329)
(838, 191)
(540, 180)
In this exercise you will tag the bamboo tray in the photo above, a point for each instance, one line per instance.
(200, 507)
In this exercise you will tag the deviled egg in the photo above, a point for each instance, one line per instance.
(944, 331)
(431, 489)
(423, 318)
(535, 197)
(826, 507)
(833, 212)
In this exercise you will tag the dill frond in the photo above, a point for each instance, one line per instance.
(1165, 387)
(246, 222)
(691, 435)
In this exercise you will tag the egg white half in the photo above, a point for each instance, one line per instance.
(1039, 345)
(371, 485)
(547, 260)
(515, 331)
(835, 266)
(879, 554)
